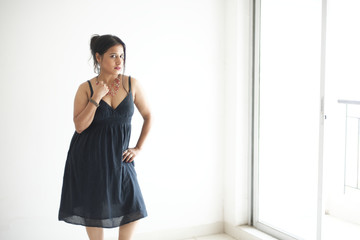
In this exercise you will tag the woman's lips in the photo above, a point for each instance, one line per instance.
(117, 68)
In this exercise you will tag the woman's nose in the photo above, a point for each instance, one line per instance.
(118, 60)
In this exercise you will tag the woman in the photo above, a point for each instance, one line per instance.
(100, 187)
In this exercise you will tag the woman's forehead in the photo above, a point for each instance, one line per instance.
(116, 49)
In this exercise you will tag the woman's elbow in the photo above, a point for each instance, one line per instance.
(147, 117)
(79, 128)
(78, 131)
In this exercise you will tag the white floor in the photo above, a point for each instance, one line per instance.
(336, 229)
(213, 237)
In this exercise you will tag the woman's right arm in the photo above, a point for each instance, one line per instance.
(84, 111)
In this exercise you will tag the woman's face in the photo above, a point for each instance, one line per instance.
(112, 61)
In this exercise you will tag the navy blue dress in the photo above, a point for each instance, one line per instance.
(99, 189)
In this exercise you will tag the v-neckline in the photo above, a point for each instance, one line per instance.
(117, 105)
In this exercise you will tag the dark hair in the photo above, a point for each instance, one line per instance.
(100, 44)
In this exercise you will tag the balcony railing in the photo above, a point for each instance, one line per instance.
(352, 144)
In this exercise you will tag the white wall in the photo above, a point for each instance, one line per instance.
(238, 112)
(175, 49)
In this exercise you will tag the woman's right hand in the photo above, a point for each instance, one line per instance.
(100, 90)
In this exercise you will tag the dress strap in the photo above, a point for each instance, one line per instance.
(91, 89)
(129, 83)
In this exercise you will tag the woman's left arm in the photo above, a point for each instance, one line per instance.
(143, 106)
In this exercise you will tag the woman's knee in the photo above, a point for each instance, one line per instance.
(126, 231)
(95, 233)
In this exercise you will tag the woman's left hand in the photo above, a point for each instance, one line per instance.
(130, 154)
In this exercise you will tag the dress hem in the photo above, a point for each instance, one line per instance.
(85, 222)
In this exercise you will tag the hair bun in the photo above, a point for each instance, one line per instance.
(93, 42)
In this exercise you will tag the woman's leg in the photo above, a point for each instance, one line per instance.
(95, 233)
(126, 231)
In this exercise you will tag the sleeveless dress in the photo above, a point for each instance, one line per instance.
(99, 189)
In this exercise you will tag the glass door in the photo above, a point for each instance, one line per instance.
(288, 106)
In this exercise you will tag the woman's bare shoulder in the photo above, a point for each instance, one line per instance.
(134, 81)
(85, 84)
(84, 88)
(135, 84)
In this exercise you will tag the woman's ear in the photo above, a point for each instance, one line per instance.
(98, 57)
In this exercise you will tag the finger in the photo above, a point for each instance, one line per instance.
(127, 152)
(130, 157)
(125, 159)
(126, 155)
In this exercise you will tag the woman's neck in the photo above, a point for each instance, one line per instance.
(106, 78)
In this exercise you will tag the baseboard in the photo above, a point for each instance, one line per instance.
(182, 233)
(246, 232)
